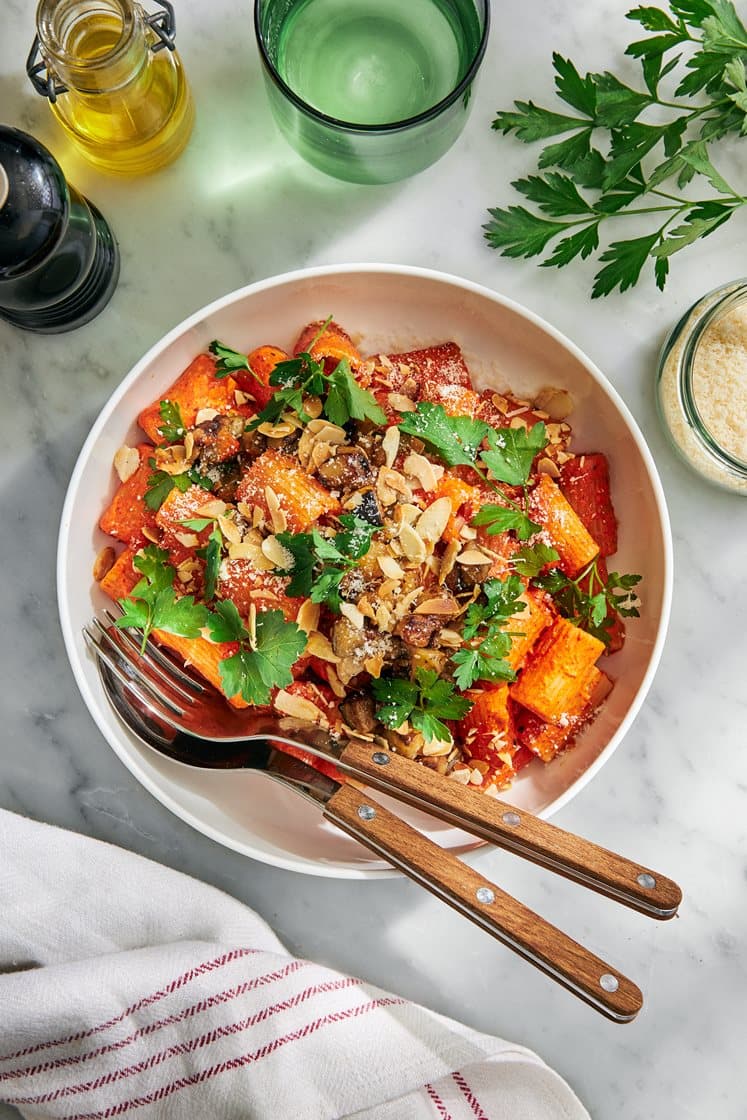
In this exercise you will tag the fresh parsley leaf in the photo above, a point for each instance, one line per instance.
(531, 122)
(320, 562)
(501, 519)
(172, 426)
(212, 554)
(455, 439)
(486, 662)
(589, 600)
(530, 560)
(487, 643)
(426, 702)
(152, 604)
(160, 484)
(512, 452)
(519, 233)
(625, 262)
(262, 662)
(230, 360)
(343, 399)
(346, 400)
(197, 524)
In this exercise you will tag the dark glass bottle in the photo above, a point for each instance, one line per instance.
(59, 262)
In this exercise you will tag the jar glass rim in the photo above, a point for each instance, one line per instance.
(734, 294)
(55, 44)
(392, 126)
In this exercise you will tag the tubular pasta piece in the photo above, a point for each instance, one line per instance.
(557, 671)
(563, 526)
(196, 388)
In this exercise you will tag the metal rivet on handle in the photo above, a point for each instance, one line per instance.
(366, 812)
(380, 758)
(484, 894)
(511, 818)
(609, 982)
(646, 880)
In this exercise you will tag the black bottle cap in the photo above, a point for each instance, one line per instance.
(34, 203)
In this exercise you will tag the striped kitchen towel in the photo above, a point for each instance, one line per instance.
(128, 989)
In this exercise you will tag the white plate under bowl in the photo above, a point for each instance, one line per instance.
(386, 308)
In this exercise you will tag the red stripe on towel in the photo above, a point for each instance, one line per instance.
(469, 1096)
(439, 1105)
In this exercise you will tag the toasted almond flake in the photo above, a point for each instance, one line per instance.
(563, 457)
(460, 775)
(298, 707)
(245, 510)
(230, 530)
(557, 403)
(330, 433)
(432, 521)
(546, 466)
(250, 550)
(444, 607)
(401, 403)
(473, 558)
(320, 646)
(126, 462)
(500, 402)
(352, 614)
(172, 460)
(403, 605)
(390, 567)
(308, 616)
(406, 513)
(320, 454)
(475, 778)
(189, 447)
(258, 517)
(239, 398)
(387, 589)
(277, 515)
(278, 430)
(436, 748)
(280, 557)
(374, 665)
(423, 470)
(390, 444)
(205, 414)
(467, 533)
(389, 484)
(189, 540)
(335, 683)
(366, 608)
(252, 625)
(452, 639)
(447, 560)
(263, 593)
(104, 562)
(412, 544)
(150, 534)
(518, 422)
(214, 508)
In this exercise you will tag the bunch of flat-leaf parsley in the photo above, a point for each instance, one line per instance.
(628, 151)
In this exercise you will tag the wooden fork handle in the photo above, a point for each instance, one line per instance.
(520, 832)
(484, 903)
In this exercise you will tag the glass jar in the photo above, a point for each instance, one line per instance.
(114, 81)
(702, 386)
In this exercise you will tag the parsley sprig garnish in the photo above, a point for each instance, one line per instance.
(509, 457)
(608, 160)
(172, 427)
(160, 484)
(301, 377)
(426, 702)
(487, 644)
(264, 658)
(229, 361)
(152, 604)
(587, 600)
(320, 562)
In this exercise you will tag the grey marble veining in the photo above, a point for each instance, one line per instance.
(239, 206)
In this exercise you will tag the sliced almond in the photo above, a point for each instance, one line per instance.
(448, 560)
(252, 625)
(444, 607)
(320, 646)
(374, 665)
(412, 544)
(308, 616)
(298, 707)
(245, 510)
(189, 540)
(518, 422)
(103, 563)
(352, 614)
(547, 466)
(423, 470)
(214, 508)
(436, 747)
(277, 515)
(390, 444)
(390, 567)
(473, 558)
(150, 534)
(126, 462)
(407, 513)
(171, 460)
(189, 447)
(335, 683)
(230, 530)
(401, 403)
(451, 639)
(557, 403)
(239, 398)
(460, 774)
(432, 521)
(278, 556)
(468, 533)
(205, 414)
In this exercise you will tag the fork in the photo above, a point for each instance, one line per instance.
(175, 697)
(353, 811)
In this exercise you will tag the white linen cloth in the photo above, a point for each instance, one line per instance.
(128, 989)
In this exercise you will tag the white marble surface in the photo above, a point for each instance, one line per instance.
(239, 206)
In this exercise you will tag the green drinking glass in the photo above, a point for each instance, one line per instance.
(371, 91)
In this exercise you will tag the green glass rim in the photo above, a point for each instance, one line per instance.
(734, 294)
(393, 126)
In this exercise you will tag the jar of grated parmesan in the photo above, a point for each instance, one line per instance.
(702, 386)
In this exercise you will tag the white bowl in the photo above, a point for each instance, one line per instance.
(387, 308)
